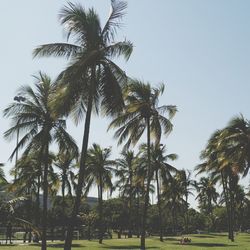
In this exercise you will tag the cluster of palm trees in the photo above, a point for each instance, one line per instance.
(226, 160)
(92, 82)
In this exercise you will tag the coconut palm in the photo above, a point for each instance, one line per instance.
(66, 164)
(126, 167)
(92, 79)
(188, 186)
(142, 113)
(236, 138)
(161, 170)
(33, 118)
(222, 167)
(207, 194)
(99, 172)
(172, 196)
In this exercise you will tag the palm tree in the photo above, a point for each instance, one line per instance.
(92, 79)
(126, 167)
(99, 172)
(161, 171)
(65, 162)
(207, 195)
(172, 194)
(142, 113)
(188, 185)
(33, 117)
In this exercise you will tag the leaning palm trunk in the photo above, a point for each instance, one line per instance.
(146, 194)
(159, 205)
(68, 240)
(45, 198)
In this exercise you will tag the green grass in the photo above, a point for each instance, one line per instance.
(199, 242)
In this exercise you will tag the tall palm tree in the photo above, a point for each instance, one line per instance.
(92, 79)
(99, 172)
(34, 119)
(126, 167)
(142, 113)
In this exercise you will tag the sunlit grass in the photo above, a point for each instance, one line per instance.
(199, 241)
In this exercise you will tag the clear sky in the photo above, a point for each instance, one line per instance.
(199, 49)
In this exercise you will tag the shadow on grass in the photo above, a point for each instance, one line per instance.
(127, 247)
(218, 234)
(61, 245)
(171, 239)
(203, 236)
(8, 245)
(198, 244)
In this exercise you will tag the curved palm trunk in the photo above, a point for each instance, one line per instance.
(159, 205)
(69, 236)
(146, 195)
(45, 198)
(100, 211)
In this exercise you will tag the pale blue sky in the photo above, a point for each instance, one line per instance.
(200, 49)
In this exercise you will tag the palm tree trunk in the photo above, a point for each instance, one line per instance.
(100, 212)
(146, 194)
(38, 201)
(138, 214)
(130, 204)
(187, 218)
(45, 198)
(224, 184)
(69, 236)
(63, 204)
(231, 195)
(159, 205)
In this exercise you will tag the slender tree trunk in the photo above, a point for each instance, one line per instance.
(187, 218)
(38, 201)
(100, 211)
(130, 204)
(159, 205)
(63, 205)
(146, 194)
(138, 215)
(17, 141)
(231, 195)
(224, 183)
(45, 198)
(69, 236)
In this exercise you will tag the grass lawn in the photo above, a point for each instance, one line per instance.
(202, 241)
